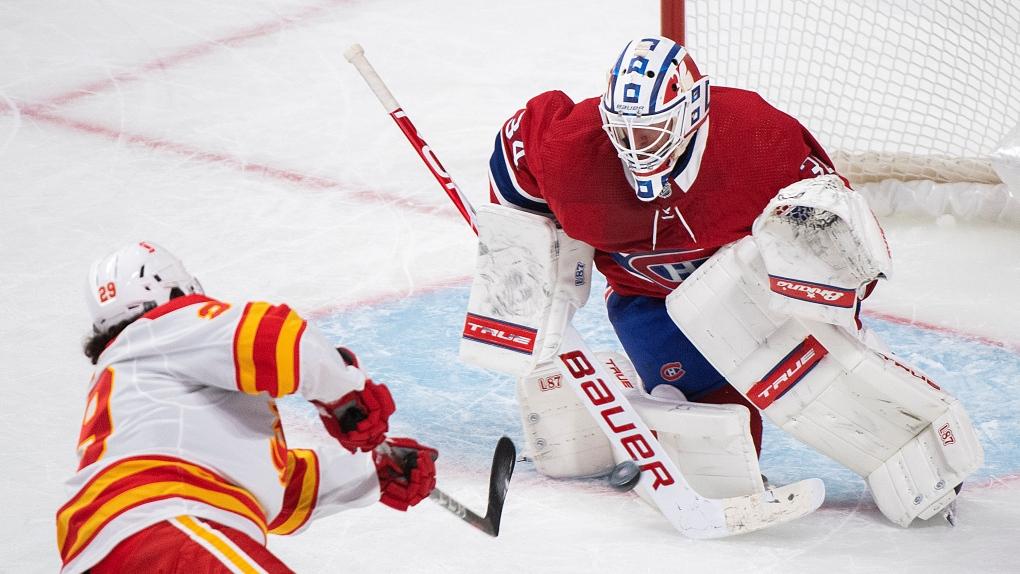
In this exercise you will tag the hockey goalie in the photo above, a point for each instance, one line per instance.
(737, 260)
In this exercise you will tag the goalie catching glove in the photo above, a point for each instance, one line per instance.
(823, 249)
(407, 472)
(359, 419)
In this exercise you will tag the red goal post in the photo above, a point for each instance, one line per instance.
(892, 89)
(672, 12)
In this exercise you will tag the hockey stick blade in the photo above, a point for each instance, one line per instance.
(499, 481)
(744, 514)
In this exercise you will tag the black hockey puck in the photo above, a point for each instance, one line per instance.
(625, 476)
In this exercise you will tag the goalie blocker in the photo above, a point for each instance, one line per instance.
(530, 278)
(832, 387)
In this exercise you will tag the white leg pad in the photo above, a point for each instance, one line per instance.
(919, 480)
(562, 438)
(824, 385)
(711, 444)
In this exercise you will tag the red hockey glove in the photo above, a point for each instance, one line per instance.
(359, 419)
(407, 472)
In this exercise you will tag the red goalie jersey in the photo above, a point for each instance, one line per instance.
(181, 420)
(554, 158)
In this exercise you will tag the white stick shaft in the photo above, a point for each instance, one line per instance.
(355, 54)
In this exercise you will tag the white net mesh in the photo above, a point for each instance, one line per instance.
(891, 88)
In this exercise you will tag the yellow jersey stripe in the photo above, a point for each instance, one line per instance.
(156, 491)
(125, 470)
(287, 353)
(223, 550)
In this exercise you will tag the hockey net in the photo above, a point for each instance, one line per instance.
(894, 90)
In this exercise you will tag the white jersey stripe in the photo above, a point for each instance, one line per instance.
(503, 200)
(224, 549)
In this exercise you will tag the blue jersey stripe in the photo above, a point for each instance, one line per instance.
(503, 182)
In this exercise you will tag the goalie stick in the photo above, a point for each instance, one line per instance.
(693, 515)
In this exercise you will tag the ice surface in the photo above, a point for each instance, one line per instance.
(235, 134)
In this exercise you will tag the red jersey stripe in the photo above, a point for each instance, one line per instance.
(244, 346)
(136, 481)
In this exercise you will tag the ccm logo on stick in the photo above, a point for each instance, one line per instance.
(787, 372)
(500, 334)
(813, 292)
(598, 393)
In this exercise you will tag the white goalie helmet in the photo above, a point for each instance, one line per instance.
(133, 280)
(655, 101)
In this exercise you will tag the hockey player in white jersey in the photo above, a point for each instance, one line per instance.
(183, 463)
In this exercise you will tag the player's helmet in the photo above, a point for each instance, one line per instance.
(133, 280)
(655, 101)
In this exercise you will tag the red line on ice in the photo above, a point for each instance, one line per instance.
(1009, 346)
(193, 52)
(281, 174)
(390, 296)
(39, 111)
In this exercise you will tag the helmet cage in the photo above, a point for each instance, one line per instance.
(628, 134)
(655, 101)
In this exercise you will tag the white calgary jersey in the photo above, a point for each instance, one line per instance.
(181, 420)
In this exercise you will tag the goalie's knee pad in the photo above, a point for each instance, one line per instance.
(710, 444)
(821, 383)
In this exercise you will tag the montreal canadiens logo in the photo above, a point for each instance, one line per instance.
(672, 371)
(667, 269)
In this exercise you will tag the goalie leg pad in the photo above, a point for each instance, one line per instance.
(710, 444)
(561, 437)
(869, 411)
(920, 479)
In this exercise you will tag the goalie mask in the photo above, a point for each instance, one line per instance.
(655, 101)
(133, 280)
